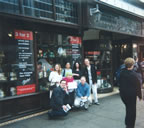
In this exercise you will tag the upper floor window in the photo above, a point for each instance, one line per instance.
(66, 11)
(10, 6)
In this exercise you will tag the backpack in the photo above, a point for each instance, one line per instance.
(120, 69)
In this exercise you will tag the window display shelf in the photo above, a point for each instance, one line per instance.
(3, 81)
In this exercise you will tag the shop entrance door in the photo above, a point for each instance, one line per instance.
(120, 52)
(141, 53)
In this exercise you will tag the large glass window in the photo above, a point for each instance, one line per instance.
(55, 48)
(99, 53)
(17, 70)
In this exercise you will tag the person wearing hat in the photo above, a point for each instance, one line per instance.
(130, 89)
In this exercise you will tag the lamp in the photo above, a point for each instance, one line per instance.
(96, 12)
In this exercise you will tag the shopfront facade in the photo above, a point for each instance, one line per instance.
(112, 34)
(33, 31)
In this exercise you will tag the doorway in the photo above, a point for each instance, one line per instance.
(120, 51)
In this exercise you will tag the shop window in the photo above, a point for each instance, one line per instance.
(100, 55)
(17, 70)
(55, 48)
(10, 6)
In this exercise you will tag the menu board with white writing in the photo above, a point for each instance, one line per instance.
(76, 48)
(25, 57)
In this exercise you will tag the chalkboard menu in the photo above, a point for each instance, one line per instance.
(24, 62)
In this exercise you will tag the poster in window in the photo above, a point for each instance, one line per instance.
(24, 62)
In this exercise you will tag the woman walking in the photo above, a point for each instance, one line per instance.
(129, 90)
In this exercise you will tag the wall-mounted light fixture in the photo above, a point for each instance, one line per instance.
(95, 12)
(10, 34)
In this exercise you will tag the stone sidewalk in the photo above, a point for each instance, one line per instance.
(109, 114)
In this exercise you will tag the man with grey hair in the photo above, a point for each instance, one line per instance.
(91, 77)
(82, 94)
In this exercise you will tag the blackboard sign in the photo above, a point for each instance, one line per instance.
(25, 59)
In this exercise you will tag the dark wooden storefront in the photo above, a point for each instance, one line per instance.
(25, 19)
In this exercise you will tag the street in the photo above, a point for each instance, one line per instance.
(109, 114)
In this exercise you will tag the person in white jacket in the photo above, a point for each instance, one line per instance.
(55, 77)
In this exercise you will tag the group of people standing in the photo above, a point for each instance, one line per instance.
(71, 86)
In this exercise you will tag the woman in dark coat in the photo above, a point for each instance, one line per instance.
(129, 90)
(77, 71)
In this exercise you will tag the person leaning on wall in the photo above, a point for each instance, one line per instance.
(129, 90)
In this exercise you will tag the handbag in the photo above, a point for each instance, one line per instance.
(52, 86)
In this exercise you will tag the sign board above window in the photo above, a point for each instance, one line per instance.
(116, 23)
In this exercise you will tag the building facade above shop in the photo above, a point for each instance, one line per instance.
(132, 6)
(104, 17)
(62, 11)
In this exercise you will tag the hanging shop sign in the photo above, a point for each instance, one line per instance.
(24, 66)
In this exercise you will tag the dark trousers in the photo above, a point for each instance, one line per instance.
(57, 113)
(70, 98)
(130, 104)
